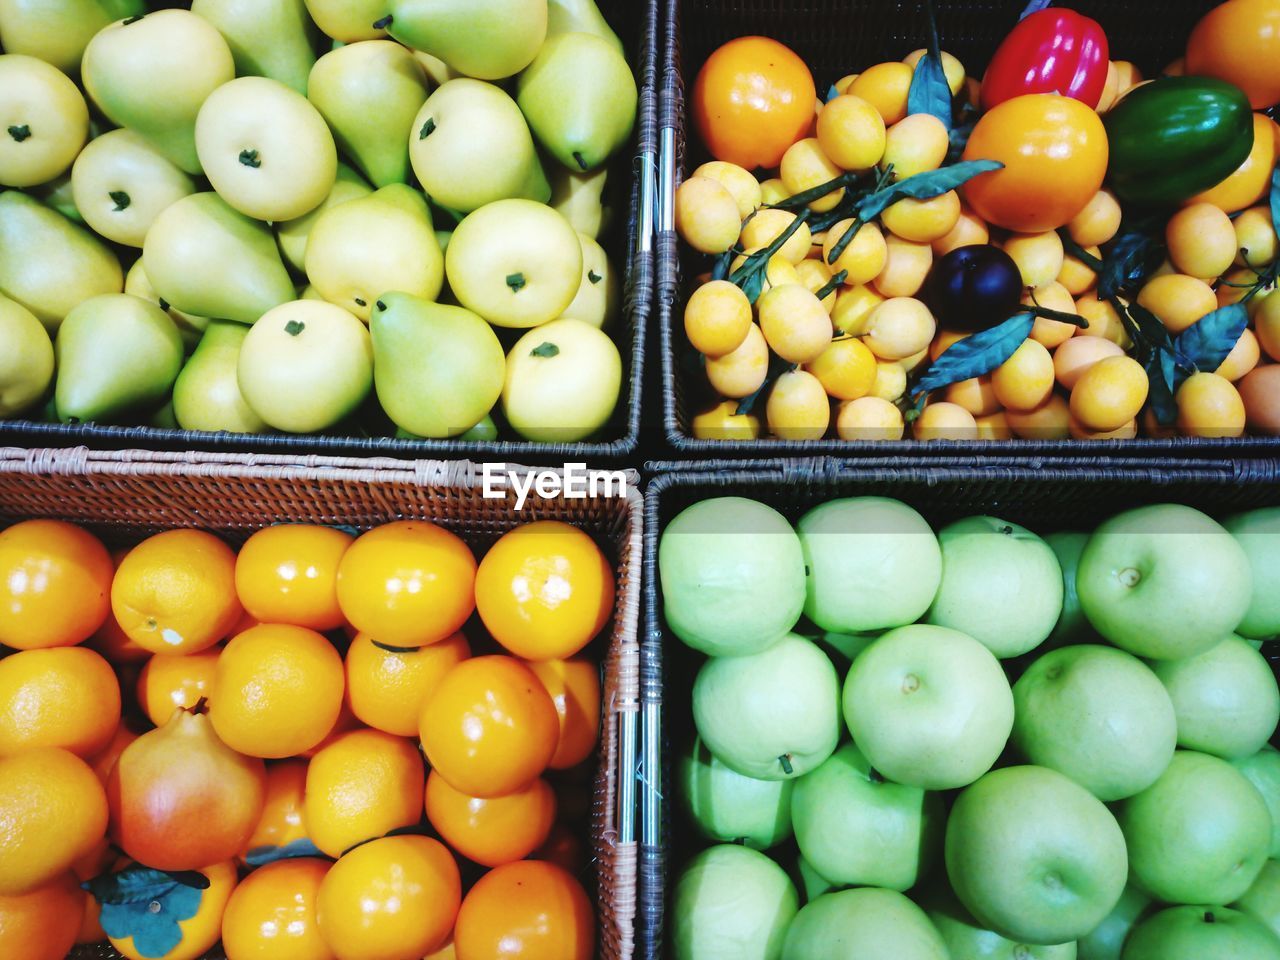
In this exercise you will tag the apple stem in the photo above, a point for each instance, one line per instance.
(20, 133)
(250, 158)
(785, 760)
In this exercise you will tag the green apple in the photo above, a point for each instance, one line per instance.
(843, 648)
(580, 198)
(599, 298)
(773, 715)
(152, 73)
(1098, 715)
(1001, 584)
(563, 381)
(44, 121)
(488, 39)
(470, 146)
(1200, 933)
(268, 38)
(1164, 581)
(138, 284)
(1106, 940)
(1226, 699)
(57, 31)
(732, 574)
(1034, 856)
(1199, 834)
(305, 366)
(26, 358)
(207, 259)
(812, 884)
(863, 923)
(437, 369)
(206, 395)
(1262, 900)
(728, 807)
(1258, 532)
(858, 829)
(121, 184)
(370, 92)
(966, 939)
(1073, 625)
(929, 707)
(1262, 769)
(292, 235)
(49, 264)
(116, 356)
(580, 98)
(363, 248)
(731, 903)
(265, 149)
(347, 21)
(871, 562)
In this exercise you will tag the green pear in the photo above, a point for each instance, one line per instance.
(117, 355)
(579, 16)
(206, 395)
(470, 146)
(579, 97)
(347, 21)
(138, 284)
(580, 198)
(268, 38)
(59, 194)
(437, 369)
(26, 358)
(292, 235)
(599, 297)
(437, 71)
(49, 264)
(360, 249)
(485, 39)
(205, 258)
(57, 31)
(152, 74)
(370, 93)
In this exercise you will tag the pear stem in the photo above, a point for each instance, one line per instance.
(383, 23)
(202, 706)
(20, 133)
(785, 760)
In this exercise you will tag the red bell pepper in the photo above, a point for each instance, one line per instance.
(1051, 51)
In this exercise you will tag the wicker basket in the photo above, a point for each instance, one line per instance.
(836, 37)
(630, 243)
(126, 496)
(1044, 497)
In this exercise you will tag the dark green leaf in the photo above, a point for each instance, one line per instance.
(777, 367)
(976, 355)
(1035, 6)
(832, 93)
(754, 286)
(1060, 315)
(721, 268)
(1275, 200)
(261, 856)
(147, 906)
(924, 186)
(929, 92)
(1206, 343)
(1132, 257)
(1160, 372)
(1146, 330)
(959, 139)
(801, 200)
(1079, 252)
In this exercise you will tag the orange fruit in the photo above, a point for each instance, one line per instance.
(39, 925)
(544, 590)
(170, 682)
(390, 899)
(282, 820)
(289, 574)
(272, 913)
(574, 686)
(175, 592)
(1209, 406)
(387, 687)
(530, 909)
(200, 932)
(563, 848)
(363, 785)
(490, 727)
(106, 758)
(90, 920)
(55, 584)
(63, 697)
(54, 812)
(1239, 42)
(278, 691)
(109, 639)
(752, 99)
(346, 722)
(407, 584)
(491, 831)
(1247, 184)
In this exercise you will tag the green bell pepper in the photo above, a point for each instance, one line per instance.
(1176, 137)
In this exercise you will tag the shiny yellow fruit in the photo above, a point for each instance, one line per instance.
(1202, 241)
(272, 913)
(1266, 324)
(906, 268)
(1244, 356)
(869, 418)
(899, 328)
(1126, 431)
(387, 688)
(742, 372)
(1256, 244)
(994, 426)
(970, 230)
(1049, 421)
(26, 363)
(45, 116)
(814, 276)
(1103, 320)
(723, 422)
(923, 221)
(864, 257)
(1098, 222)
(853, 307)
(944, 341)
(891, 380)
(852, 133)
(885, 86)
(1077, 277)
(1073, 357)
(768, 225)
(805, 166)
(777, 272)
(717, 318)
(1025, 380)
(916, 144)
(977, 395)
(1247, 183)
(1038, 256)
(952, 68)
(707, 215)
(744, 188)
(794, 323)
(798, 408)
(1052, 296)
(846, 369)
(1178, 300)
(945, 421)
(1109, 394)
(773, 190)
(1209, 406)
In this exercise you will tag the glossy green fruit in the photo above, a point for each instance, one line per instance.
(57, 31)
(207, 394)
(26, 358)
(486, 39)
(268, 38)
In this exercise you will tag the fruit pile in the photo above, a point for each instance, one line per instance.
(375, 218)
(1063, 249)
(198, 745)
(979, 743)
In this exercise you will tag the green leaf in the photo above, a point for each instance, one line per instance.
(720, 270)
(832, 93)
(1079, 252)
(1206, 343)
(1161, 374)
(1133, 256)
(147, 906)
(929, 92)
(924, 186)
(959, 139)
(261, 856)
(777, 367)
(1275, 200)
(976, 355)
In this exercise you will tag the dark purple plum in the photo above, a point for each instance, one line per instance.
(973, 288)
